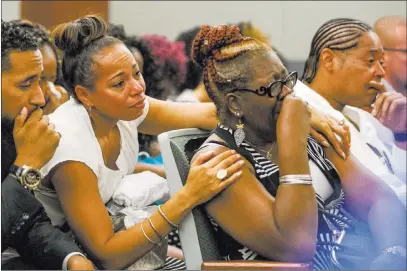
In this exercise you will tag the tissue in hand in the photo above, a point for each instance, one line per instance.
(141, 189)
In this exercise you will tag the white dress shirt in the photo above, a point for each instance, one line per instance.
(366, 145)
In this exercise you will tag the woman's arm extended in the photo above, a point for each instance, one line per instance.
(372, 201)
(78, 192)
(282, 228)
(164, 116)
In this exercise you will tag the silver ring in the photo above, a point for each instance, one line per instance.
(342, 122)
(221, 174)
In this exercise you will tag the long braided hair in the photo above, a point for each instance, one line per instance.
(223, 54)
(339, 34)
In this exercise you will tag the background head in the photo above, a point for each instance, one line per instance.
(193, 72)
(392, 33)
(172, 59)
(52, 70)
(345, 58)
(233, 64)
(21, 67)
(99, 70)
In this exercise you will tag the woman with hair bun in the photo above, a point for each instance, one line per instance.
(99, 146)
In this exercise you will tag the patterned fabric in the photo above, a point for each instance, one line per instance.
(173, 239)
(333, 220)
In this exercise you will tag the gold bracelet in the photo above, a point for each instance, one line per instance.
(155, 230)
(166, 218)
(145, 235)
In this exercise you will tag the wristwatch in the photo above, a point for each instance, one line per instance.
(29, 177)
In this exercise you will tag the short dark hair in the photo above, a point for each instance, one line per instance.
(14, 38)
(194, 72)
(80, 40)
(339, 34)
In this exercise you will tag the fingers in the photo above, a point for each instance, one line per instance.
(347, 139)
(401, 101)
(20, 119)
(35, 116)
(386, 105)
(379, 103)
(235, 167)
(229, 181)
(63, 91)
(202, 158)
(329, 134)
(344, 133)
(228, 162)
(212, 163)
(319, 138)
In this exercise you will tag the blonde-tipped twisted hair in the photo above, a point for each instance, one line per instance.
(337, 34)
(223, 54)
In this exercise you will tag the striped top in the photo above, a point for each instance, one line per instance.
(332, 219)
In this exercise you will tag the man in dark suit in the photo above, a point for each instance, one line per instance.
(28, 142)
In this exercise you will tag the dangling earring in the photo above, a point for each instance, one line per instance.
(239, 133)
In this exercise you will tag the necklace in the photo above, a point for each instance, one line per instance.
(268, 153)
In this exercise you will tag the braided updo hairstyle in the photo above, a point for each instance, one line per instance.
(224, 55)
(339, 34)
(14, 37)
(80, 40)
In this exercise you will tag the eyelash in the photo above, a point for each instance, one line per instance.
(120, 84)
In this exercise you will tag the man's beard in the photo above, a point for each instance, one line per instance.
(8, 149)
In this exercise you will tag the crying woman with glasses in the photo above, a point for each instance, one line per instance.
(296, 201)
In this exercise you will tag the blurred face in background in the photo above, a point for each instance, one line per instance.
(395, 61)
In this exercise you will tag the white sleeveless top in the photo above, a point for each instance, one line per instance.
(79, 143)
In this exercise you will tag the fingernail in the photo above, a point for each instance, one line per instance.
(389, 118)
(237, 155)
(343, 155)
(381, 119)
(374, 112)
(241, 162)
(233, 151)
(325, 143)
(239, 173)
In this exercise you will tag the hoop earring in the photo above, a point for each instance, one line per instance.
(239, 134)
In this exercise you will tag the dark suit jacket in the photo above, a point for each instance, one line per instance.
(26, 227)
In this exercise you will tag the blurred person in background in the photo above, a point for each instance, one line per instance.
(54, 93)
(392, 33)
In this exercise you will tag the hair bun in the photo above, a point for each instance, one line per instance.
(76, 35)
(209, 39)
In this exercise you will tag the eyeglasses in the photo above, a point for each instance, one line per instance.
(396, 50)
(275, 88)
